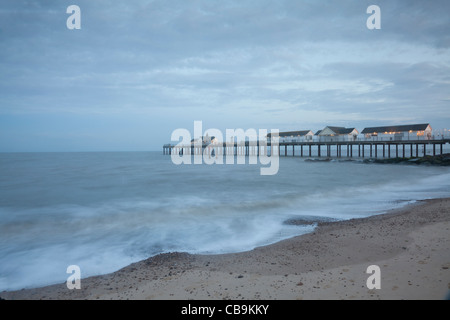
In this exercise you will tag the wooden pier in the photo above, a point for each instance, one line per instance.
(329, 149)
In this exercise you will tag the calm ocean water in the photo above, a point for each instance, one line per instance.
(103, 211)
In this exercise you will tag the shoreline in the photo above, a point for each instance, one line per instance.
(411, 246)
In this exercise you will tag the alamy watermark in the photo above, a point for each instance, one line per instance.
(74, 20)
(209, 147)
(74, 280)
(374, 21)
(373, 281)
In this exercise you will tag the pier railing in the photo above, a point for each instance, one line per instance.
(362, 139)
(360, 147)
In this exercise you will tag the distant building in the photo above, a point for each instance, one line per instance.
(402, 132)
(294, 136)
(337, 134)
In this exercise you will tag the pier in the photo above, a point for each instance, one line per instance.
(364, 148)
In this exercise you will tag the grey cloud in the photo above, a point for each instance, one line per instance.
(191, 58)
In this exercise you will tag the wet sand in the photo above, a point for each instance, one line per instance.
(411, 246)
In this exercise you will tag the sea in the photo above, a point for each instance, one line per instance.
(102, 211)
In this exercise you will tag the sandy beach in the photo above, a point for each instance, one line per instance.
(411, 246)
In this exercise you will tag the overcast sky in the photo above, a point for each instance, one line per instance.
(137, 70)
